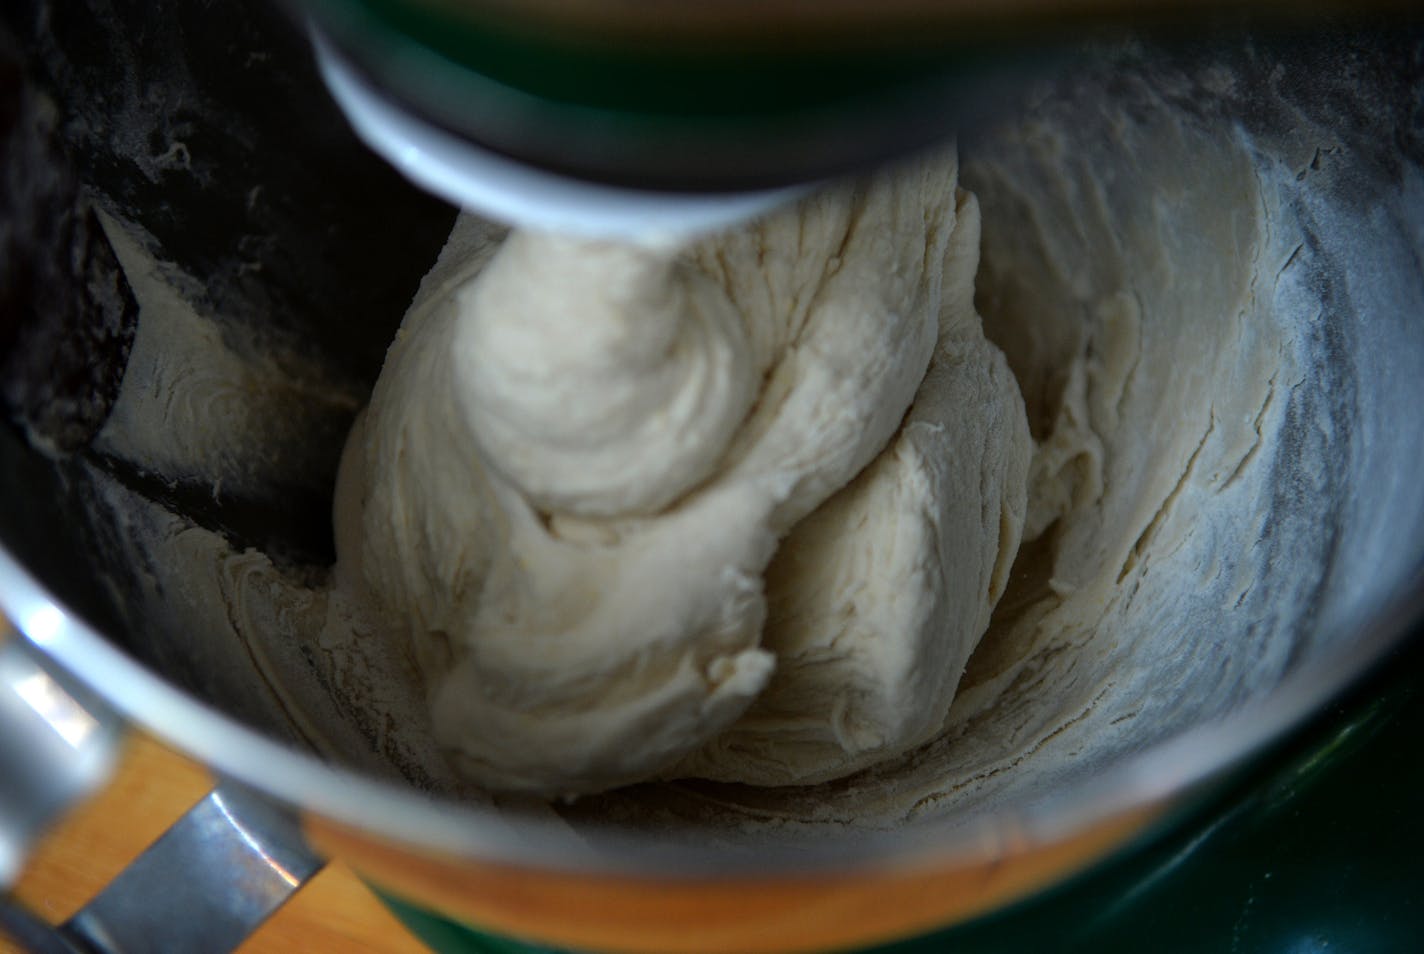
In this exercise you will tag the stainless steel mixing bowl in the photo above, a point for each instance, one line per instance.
(274, 207)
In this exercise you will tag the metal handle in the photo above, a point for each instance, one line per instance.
(56, 745)
(217, 874)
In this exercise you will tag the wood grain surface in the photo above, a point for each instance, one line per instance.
(151, 789)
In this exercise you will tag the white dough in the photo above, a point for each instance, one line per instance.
(879, 596)
(561, 581)
(580, 459)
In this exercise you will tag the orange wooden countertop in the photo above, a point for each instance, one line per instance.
(151, 789)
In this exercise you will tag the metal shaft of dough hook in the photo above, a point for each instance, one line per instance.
(508, 191)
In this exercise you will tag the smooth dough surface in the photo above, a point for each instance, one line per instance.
(693, 510)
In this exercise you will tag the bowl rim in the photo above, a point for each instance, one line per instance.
(1160, 774)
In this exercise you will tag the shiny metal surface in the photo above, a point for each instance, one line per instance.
(203, 887)
(54, 749)
(1363, 625)
(508, 191)
(31, 933)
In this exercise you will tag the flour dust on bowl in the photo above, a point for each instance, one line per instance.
(1196, 272)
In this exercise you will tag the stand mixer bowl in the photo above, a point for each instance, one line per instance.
(272, 206)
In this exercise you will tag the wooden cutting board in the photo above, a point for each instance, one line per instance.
(152, 788)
